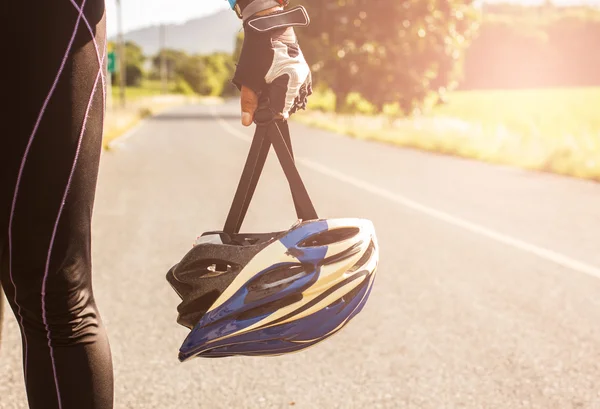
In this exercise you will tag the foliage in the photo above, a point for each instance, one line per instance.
(134, 63)
(205, 74)
(388, 52)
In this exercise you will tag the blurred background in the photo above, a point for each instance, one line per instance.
(516, 83)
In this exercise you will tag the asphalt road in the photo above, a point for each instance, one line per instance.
(487, 296)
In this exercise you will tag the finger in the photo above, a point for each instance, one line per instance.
(288, 95)
(249, 101)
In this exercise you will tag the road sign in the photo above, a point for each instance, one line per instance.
(111, 62)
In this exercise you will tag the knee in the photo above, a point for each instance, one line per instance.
(64, 318)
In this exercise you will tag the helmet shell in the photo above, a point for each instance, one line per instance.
(282, 294)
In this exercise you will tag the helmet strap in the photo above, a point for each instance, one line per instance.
(272, 132)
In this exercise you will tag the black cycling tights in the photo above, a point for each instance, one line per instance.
(50, 142)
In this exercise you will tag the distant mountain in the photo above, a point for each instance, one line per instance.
(203, 35)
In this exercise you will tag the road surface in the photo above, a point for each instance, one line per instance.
(487, 296)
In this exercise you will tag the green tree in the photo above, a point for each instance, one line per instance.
(134, 64)
(389, 52)
(191, 70)
(175, 60)
(205, 74)
(218, 69)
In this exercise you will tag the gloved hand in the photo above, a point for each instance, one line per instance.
(272, 65)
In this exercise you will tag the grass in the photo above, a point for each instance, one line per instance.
(554, 130)
(148, 88)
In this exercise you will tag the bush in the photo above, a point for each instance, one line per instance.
(182, 87)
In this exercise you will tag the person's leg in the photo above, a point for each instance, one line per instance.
(1, 309)
(49, 169)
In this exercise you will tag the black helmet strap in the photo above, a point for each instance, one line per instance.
(270, 130)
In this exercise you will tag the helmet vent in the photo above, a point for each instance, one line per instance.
(348, 297)
(205, 269)
(269, 308)
(329, 237)
(364, 259)
(274, 281)
(349, 252)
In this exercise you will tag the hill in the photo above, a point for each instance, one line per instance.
(204, 35)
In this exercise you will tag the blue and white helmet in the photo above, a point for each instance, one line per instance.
(274, 293)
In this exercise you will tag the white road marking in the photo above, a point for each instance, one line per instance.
(541, 252)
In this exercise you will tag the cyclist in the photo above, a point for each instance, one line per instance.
(48, 173)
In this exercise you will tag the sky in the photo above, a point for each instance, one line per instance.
(142, 13)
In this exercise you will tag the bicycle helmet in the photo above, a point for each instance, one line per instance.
(282, 293)
(273, 293)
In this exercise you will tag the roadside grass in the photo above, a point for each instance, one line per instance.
(148, 88)
(553, 130)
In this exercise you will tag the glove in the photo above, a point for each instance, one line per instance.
(271, 64)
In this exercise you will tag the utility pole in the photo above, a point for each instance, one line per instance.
(110, 70)
(121, 56)
(163, 59)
